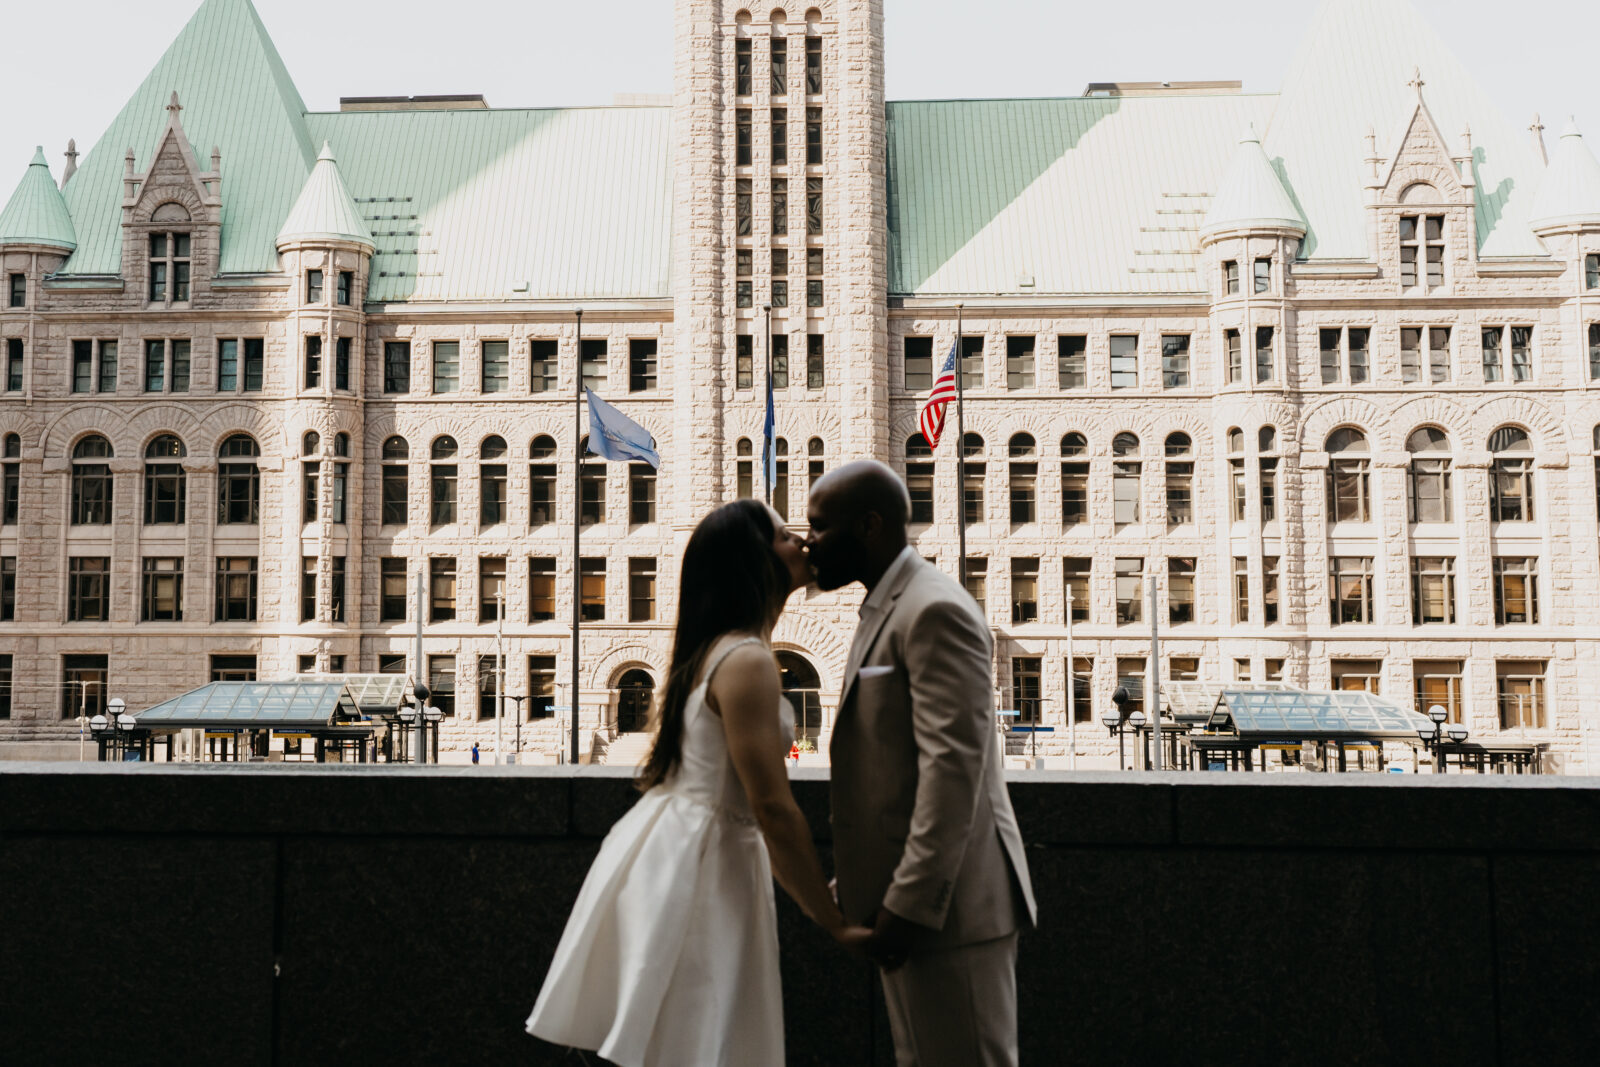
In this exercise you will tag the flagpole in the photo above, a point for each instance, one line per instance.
(961, 466)
(768, 446)
(577, 512)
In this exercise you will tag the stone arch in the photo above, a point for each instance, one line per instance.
(1200, 432)
(171, 211)
(1323, 419)
(809, 634)
(635, 687)
(15, 422)
(223, 422)
(610, 666)
(61, 433)
(1545, 429)
(155, 197)
(1436, 411)
(1420, 192)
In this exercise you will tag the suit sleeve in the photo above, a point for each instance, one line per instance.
(947, 658)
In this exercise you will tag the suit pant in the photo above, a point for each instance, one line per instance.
(955, 1006)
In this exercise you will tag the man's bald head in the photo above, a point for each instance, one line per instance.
(865, 486)
(858, 515)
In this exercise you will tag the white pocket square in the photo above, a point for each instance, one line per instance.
(876, 672)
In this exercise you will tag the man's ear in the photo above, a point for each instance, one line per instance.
(869, 526)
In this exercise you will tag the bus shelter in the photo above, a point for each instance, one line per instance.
(238, 719)
(1247, 726)
(379, 698)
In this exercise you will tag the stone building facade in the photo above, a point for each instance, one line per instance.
(1333, 391)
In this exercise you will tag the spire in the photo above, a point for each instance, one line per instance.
(72, 162)
(1537, 129)
(325, 211)
(1569, 194)
(36, 213)
(1251, 196)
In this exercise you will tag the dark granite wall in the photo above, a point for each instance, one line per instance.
(256, 914)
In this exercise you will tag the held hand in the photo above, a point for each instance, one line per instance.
(891, 940)
(853, 939)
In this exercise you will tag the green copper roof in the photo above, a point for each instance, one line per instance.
(36, 214)
(325, 211)
(237, 96)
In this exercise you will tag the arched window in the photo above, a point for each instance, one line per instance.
(1511, 480)
(311, 443)
(394, 478)
(1179, 451)
(541, 481)
(746, 467)
(1349, 476)
(1429, 475)
(972, 446)
(1074, 479)
(1125, 478)
(974, 473)
(165, 486)
(341, 445)
(238, 481)
(917, 447)
(814, 461)
(310, 477)
(803, 688)
(341, 476)
(91, 482)
(591, 488)
(635, 691)
(919, 479)
(1024, 475)
(492, 481)
(11, 474)
(13, 446)
(1238, 483)
(442, 475)
(1267, 460)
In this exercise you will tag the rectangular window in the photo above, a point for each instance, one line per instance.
(11, 473)
(1264, 360)
(491, 494)
(1519, 686)
(742, 66)
(744, 360)
(813, 136)
(393, 596)
(1184, 668)
(744, 294)
(84, 679)
(541, 494)
(592, 494)
(310, 500)
(919, 483)
(441, 589)
(1269, 589)
(814, 292)
(1269, 489)
(442, 683)
(971, 363)
(446, 366)
(641, 494)
(1351, 589)
(1422, 242)
(1433, 590)
(308, 588)
(236, 589)
(977, 582)
(1026, 689)
(592, 591)
(1130, 677)
(593, 355)
(1024, 590)
(780, 361)
(780, 135)
(313, 287)
(814, 70)
(814, 206)
(919, 364)
(1125, 493)
(741, 137)
(1439, 354)
(1516, 590)
(813, 262)
(1072, 361)
(347, 281)
(1074, 493)
(1019, 362)
(1357, 675)
(541, 589)
(1330, 345)
(1522, 353)
(82, 366)
(1594, 350)
(391, 663)
(1076, 575)
(641, 364)
(815, 363)
(233, 668)
(1591, 271)
(780, 207)
(1230, 277)
(1263, 275)
(488, 688)
(341, 363)
(1493, 369)
(313, 362)
(227, 366)
(397, 366)
(542, 356)
(336, 590)
(780, 66)
(1511, 490)
(972, 511)
(1175, 361)
(1130, 591)
(88, 589)
(641, 590)
(1124, 362)
(491, 587)
(1180, 589)
(155, 366)
(1438, 342)
(1437, 683)
(1235, 356)
(19, 290)
(541, 687)
(496, 366)
(8, 588)
(108, 365)
(1023, 492)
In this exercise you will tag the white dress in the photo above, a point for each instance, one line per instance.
(670, 955)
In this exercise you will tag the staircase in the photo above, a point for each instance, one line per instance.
(629, 750)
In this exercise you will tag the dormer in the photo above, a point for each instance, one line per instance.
(325, 242)
(1421, 200)
(171, 220)
(1253, 226)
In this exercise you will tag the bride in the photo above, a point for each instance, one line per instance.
(670, 955)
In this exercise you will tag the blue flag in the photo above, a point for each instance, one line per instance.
(769, 459)
(614, 436)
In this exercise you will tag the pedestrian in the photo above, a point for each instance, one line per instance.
(794, 753)
(474, 752)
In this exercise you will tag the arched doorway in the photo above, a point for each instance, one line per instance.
(803, 688)
(635, 691)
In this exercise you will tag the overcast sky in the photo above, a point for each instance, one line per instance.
(77, 63)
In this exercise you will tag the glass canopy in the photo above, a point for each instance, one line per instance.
(1258, 712)
(374, 694)
(255, 705)
(1193, 701)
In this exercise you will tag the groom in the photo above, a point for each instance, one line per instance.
(926, 848)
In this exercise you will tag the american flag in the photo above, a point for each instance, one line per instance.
(931, 421)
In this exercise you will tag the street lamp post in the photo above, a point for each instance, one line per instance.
(516, 744)
(1155, 674)
(111, 729)
(1435, 732)
(1118, 720)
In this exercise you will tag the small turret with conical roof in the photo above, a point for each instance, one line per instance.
(36, 215)
(325, 213)
(1569, 195)
(1251, 196)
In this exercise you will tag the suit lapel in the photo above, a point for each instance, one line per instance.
(867, 633)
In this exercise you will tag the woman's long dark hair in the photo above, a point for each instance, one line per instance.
(732, 580)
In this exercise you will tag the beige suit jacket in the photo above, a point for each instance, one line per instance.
(922, 822)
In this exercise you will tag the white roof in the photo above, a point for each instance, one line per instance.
(325, 211)
(1569, 195)
(1251, 195)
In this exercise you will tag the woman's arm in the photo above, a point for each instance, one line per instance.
(745, 692)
